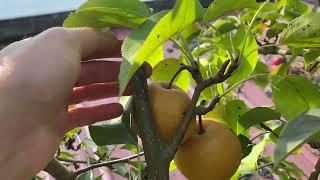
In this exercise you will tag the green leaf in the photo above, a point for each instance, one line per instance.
(293, 170)
(120, 169)
(225, 25)
(166, 69)
(234, 110)
(173, 166)
(183, 14)
(256, 116)
(70, 134)
(102, 151)
(99, 177)
(88, 143)
(109, 13)
(137, 164)
(144, 42)
(276, 131)
(293, 95)
(86, 176)
(249, 163)
(261, 68)
(295, 8)
(115, 133)
(131, 147)
(219, 7)
(189, 32)
(208, 70)
(246, 145)
(249, 58)
(303, 32)
(66, 155)
(312, 55)
(119, 131)
(297, 132)
(276, 29)
(130, 47)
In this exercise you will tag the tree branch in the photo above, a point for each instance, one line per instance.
(157, 163)
(173, 147)
(58, 171)
(108, 164)
(223, 74)
(196, 75)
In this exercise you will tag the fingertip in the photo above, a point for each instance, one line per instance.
(83, 116)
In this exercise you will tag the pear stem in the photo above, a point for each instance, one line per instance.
(196, 75)
(201, 128)
(182, 67)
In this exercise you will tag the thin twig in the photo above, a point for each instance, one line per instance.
(265, 127)
(108, 163)
(265, 165)
(196, 76)
(258, 135)
(185, 53)
(73, 161)
(313, 66)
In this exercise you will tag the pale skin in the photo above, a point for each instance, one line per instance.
(38, 77)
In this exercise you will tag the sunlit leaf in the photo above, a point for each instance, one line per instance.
(183, 14)
(130, 47)
(172, 166)
(225, 25)
(303, 32)
(109, 13)
(219, 7)
(66, 155)
(70, 134)
(234, 110)
(166, 69)
(249, 163)
(297, 132)
(218, 112)
(311, 55)
(153, 34)
(249, 59)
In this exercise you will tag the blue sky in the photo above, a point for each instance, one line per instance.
(10, 9)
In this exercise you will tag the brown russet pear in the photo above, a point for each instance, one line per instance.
(212, 155)
(168, 107)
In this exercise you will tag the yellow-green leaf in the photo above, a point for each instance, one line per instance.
(219, 7)
(100, 14)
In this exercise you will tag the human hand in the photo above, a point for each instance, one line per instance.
(37, 80)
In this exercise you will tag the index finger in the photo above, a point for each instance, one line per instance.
(94, 44)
